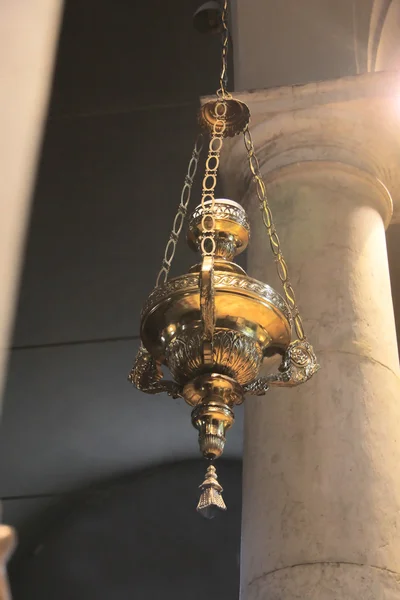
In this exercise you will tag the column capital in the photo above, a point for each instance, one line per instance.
(352, 121)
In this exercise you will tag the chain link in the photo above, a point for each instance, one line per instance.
(208, 246)
(281, 265)
(181, 213)
(223, 80)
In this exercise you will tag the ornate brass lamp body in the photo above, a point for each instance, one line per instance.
(213, 326)
(248, 322)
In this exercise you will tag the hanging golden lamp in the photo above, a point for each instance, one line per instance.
(213, 326)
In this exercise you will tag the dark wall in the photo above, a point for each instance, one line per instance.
(139, 538)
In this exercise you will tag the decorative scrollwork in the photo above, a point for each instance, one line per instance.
(258, 387)
(221, 280)
(233, 354)
(222, 211)
(298, 365)
(146, 375)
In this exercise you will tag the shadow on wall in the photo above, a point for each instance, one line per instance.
(137, 537)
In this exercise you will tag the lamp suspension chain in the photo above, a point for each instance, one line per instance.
(210, 179)
(181, 212)
(223, 80)
(218, 133)
(281, 265)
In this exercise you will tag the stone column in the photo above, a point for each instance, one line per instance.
(28, 38)
(321, 501)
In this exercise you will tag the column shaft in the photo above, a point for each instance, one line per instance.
(321, 510)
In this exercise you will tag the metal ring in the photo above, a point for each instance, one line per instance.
(177, 229)
(219, 146)
(185, 194)
(298, 323)
(260, 187)
(209, 208)
(211, 167)
(282, 268)
(217, 106)
(274, 243)
(267, 217)
(171, 244)
(213, 179)
(192, 169)
(248, 142)
(207, 198)
(289, 293)
(207, 239)
(208, 228)
(254, 165)
(219, 127)
(164, 272)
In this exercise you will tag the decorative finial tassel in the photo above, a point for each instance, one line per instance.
(211, 500)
